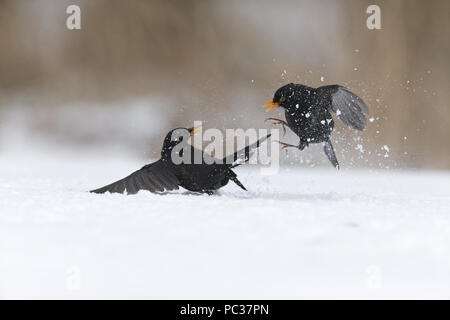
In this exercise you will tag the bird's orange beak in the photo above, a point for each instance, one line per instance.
(271, 105)
(195, 130)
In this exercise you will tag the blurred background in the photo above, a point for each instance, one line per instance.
(137, 69)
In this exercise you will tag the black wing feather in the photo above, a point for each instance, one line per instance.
(243, 155)
(349, 108)
(155, 177)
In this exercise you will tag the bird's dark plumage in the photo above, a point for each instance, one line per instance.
(154, 177)
(164, 175)
(308, 113)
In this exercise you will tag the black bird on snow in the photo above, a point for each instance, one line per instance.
(166, 175)
(308, 113)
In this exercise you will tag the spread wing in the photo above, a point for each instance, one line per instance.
(349, 108)
(155, 177)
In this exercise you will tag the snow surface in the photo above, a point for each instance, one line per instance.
(303, 233)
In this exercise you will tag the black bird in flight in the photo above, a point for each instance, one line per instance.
(166, 175)
(308, 113)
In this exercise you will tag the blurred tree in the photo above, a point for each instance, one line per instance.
(219, 60)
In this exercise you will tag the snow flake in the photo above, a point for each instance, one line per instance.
(360, 148)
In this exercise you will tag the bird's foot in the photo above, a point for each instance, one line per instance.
(287, 145)
(276, 121)
(303, 145)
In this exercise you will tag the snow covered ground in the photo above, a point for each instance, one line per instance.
(304, 233)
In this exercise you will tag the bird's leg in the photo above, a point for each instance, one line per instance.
(301, 146)
(276, 121)
(287, 145)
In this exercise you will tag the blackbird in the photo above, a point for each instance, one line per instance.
(308, 113)
(166, 175)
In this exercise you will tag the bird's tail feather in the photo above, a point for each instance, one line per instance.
(329, 151)
(235, 180)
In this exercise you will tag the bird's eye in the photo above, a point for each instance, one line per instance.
(282, 99)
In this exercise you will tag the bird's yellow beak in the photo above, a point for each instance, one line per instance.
(271, 105)
(195, 130)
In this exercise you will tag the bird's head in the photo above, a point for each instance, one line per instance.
(175, 137)
(284, 97)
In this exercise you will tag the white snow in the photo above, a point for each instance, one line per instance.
(304, 233)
